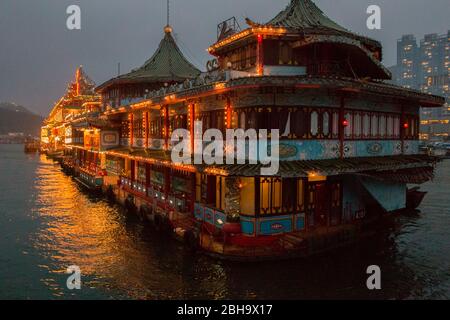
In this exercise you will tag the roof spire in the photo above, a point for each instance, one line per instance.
(168, 12)
(168, 28)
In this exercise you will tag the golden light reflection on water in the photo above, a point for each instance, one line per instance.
(97, 237)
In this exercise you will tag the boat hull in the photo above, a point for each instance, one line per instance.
(414, 198)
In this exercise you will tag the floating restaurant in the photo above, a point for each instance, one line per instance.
(79, 100)
(348, 148)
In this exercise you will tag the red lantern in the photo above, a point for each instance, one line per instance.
(406, 125)
(345, 123)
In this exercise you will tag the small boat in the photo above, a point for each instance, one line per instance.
(31, 147)
(89, 180)
(414, 198)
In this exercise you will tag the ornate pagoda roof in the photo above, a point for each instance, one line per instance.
(306, 16)
(168, 64)
(78, 92)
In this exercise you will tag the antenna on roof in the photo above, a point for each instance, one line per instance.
(168, 28)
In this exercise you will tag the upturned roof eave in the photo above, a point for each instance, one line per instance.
(286, 32)
(344, 84)
(140, 80)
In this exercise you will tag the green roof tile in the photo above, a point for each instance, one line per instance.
(304, 14)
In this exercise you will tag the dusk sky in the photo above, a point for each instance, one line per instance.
(38, 54)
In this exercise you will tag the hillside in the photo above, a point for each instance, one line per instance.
(14, 118)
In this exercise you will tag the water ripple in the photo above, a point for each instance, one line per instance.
(47, 224)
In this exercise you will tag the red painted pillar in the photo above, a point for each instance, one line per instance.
(146, 127)
(131, 119)
(402, 129)
(342, 127)
(229, 115)
(147, 175)
(166, 127)
(192, 126)
(260, 55)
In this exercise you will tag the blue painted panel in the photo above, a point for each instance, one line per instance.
(291, 150)
(300, 222)
(248, 226)
(219, 216)
(270, 226)
(371, 148)
(99, 182)
(411, 147)
(209, 215)
(199, 211)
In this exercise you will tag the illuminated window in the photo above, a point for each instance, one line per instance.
(366, 125)
(374, 126)
(326, 123)
(300, 195)
(349, 128)
(357, 121)
(125, 129)
(396, 127)
(247, 199)
(390, 126)
(335, 124)
(413, 127)
(314, 123)
(270, 196)
(382, 126)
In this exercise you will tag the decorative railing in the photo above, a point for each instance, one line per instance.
(210, 215)
(91, 170)
(148, 193)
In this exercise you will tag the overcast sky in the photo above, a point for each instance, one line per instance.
(38, 55)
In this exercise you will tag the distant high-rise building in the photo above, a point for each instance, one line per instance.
(434, 61)
(427, 68)
(407, 54)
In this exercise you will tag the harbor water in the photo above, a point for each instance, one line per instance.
(47, 223)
